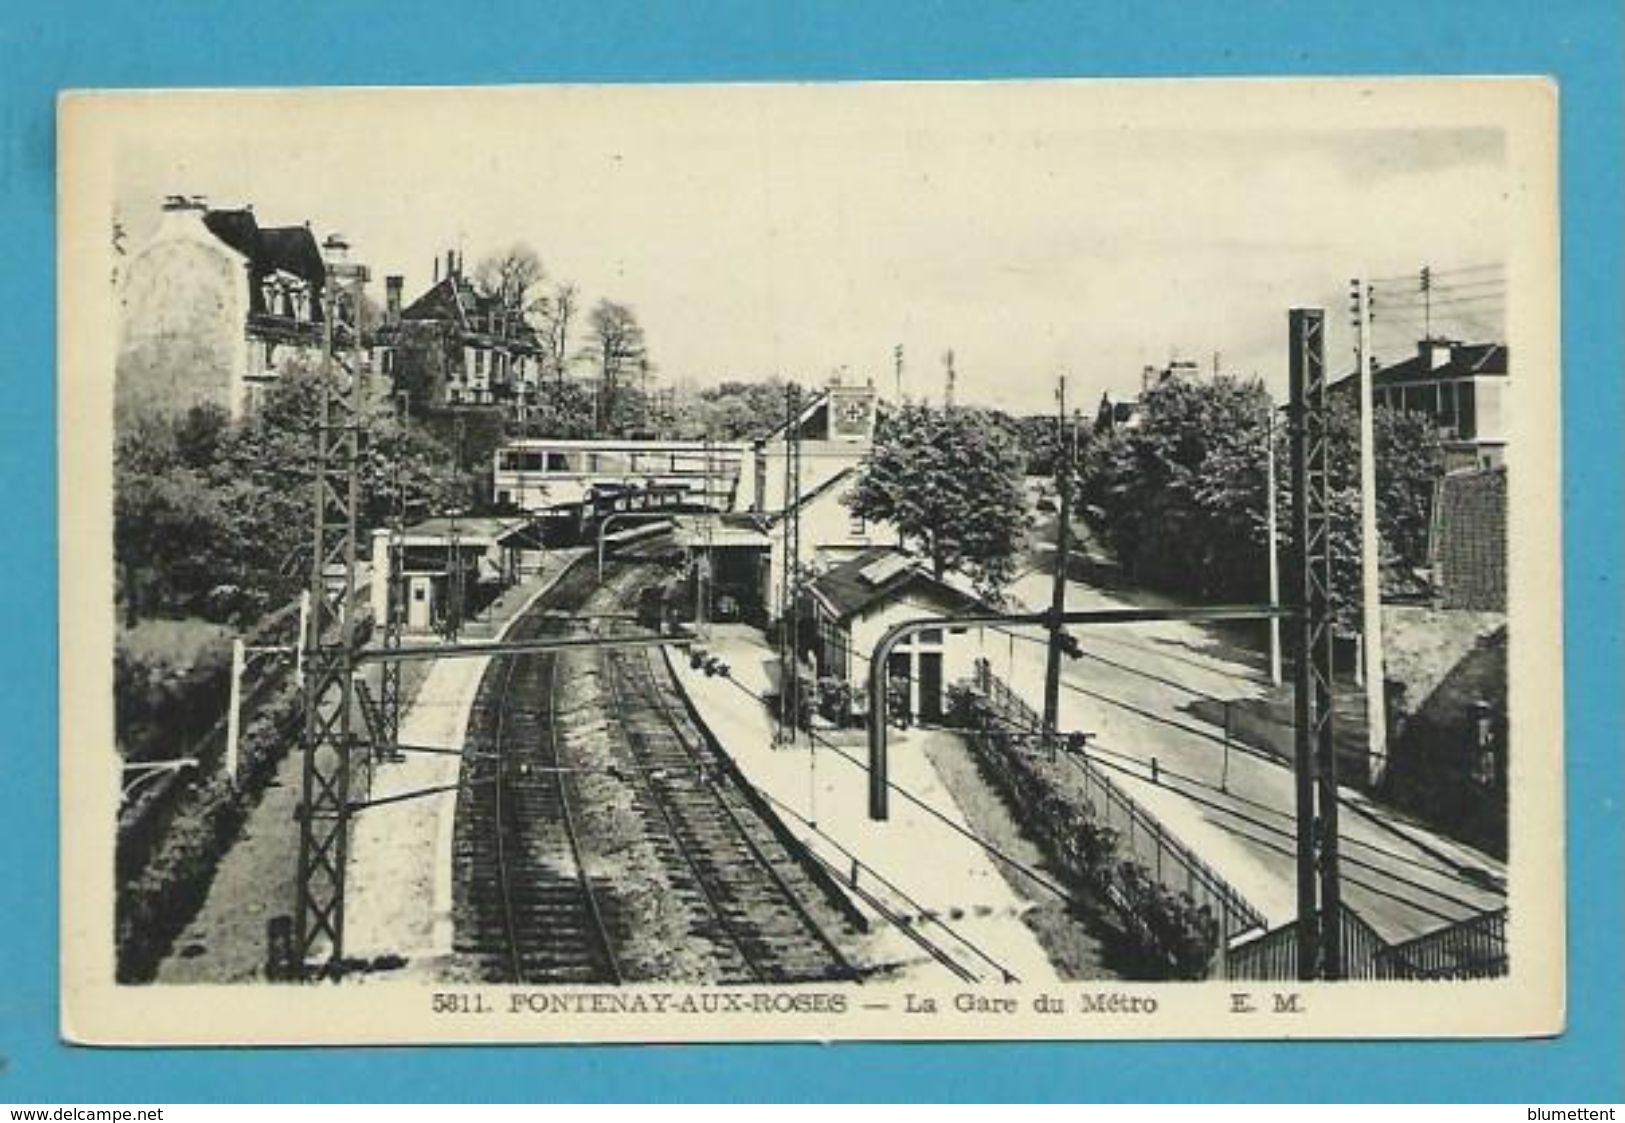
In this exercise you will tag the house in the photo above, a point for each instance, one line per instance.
(1111, 415)
(1462, 387)
(1116, 415)
(849, 607)
(458, 346)
(212, 305)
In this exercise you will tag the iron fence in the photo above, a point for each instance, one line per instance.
(1141, 837)
(1472, 949)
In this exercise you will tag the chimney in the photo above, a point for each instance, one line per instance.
(1436, 353)
(179, 217)
(451, 264)
(186, 203)
(392, 298)
(437, 269)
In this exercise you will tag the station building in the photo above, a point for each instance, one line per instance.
(847, 609)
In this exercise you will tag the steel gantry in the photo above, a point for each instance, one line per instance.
(1310, 607)
(1314, 758)
(328, 737)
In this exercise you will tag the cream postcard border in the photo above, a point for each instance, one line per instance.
(91, 128)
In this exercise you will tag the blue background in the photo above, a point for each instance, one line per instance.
(46, 47)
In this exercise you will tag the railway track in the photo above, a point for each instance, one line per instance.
(528, 909)
(755, 893)
(529, 912)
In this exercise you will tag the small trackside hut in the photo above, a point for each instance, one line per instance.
(846, 610)
(445, 570)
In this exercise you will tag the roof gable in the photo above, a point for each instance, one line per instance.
(291, 249)
(878, 576)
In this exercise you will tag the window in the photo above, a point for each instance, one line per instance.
(479, 362)
(857, 528)
(1467, 410)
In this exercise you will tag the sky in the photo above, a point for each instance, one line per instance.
(1035, 229)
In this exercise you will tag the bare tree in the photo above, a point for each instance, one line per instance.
(617, 348)
(511, 275)
(555, 317)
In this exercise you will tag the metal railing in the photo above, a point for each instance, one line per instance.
(1141, 836)
(1472, 949)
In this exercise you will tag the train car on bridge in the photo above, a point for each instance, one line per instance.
(537, 475)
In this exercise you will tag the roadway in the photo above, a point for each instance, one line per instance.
(1139, 689)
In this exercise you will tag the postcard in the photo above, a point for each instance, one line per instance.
(972, 560)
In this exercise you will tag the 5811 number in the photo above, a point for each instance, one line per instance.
(458, 1002)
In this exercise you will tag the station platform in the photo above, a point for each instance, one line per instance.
(920, 864)
(398, 898)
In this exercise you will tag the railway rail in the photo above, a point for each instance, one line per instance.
(529, 908)
(754, 889)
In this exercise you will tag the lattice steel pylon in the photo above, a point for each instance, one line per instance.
(790, 577)
(394, 622)
(328, 738)
(1320, 953)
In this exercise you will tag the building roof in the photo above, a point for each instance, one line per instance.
(816, 401)
(807, 497)
(291, 249)
(879, 575)
(724, 532)
(471, 532)
(1441, 360)
(453, 299)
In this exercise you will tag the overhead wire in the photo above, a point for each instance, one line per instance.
(1242, 747)
(1095, 746)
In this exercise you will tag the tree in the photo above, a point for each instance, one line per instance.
(212, 517)
(617, 347)
(556, 315)
(1410, 460)
(950, 481)
(510, 276)
(1180, 497)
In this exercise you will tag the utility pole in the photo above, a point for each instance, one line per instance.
(897, 370)
(1376, 711)
(948, 379)
(327, 740)
(1065, 453)
(389, 671)
(790, 578)
(1273, 534)
(703, 571)
(1425, 283)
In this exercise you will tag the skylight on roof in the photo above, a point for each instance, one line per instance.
(884, 569)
